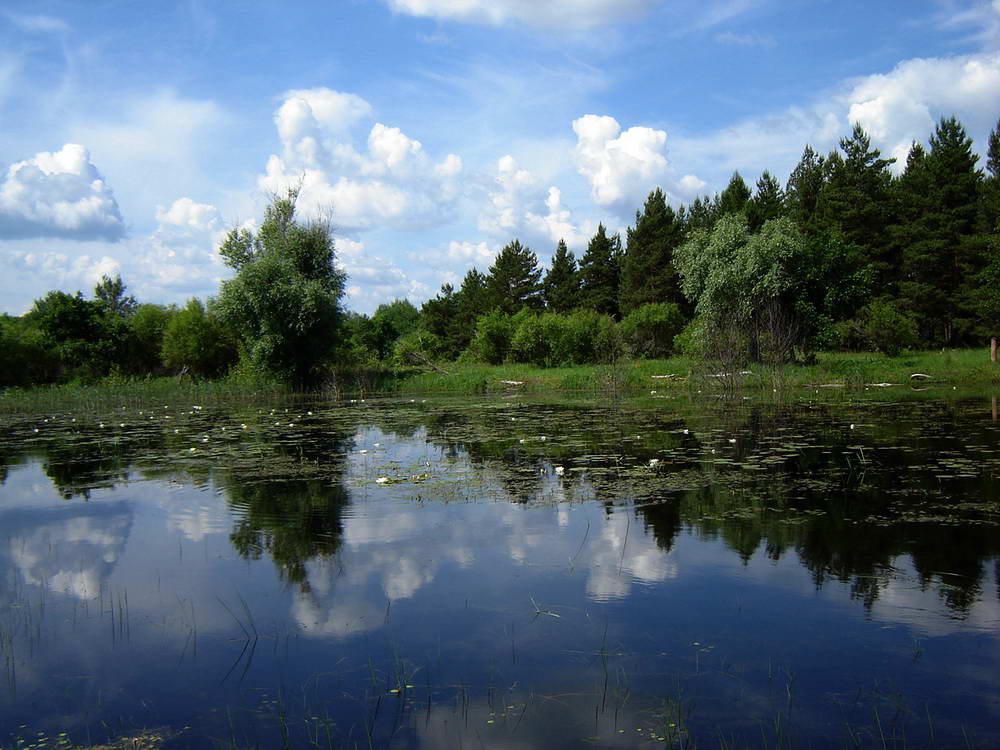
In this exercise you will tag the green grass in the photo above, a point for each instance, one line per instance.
(965, 368)
(131, 392)
(960, 368)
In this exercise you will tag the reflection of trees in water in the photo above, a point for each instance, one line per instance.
(293, 521)
(842, 513)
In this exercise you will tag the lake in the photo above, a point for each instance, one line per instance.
(503, 572)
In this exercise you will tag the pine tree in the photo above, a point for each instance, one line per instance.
(647, 271)
(767, 202)
(734, 198)
(990, 203)
(803, 189)
(940, 263)
(514, 279)
(856, 198)
(600, 272)
(561, 285)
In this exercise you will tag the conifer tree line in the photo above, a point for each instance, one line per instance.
(847, 255)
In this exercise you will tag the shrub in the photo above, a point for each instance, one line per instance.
(886, 328)
(649, 331)
(491, 342)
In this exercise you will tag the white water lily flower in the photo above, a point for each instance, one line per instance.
(382, 480)
(732, 440)
(653, 463)
(363, 450)
(560, 470)
(377, 445)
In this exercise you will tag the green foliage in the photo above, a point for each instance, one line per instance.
(561, 285)
(514, 280)
(768, 202)
(27, 357)
(886, 328)
(196, 339)
(647, 269)
(600, 270)
(939, 197)
(649, 331)
(88, 339)
(491, 343)
(418, 347)
(735, 197)
(148, 325)
(285, 298)
(743, 286)
(110, 293)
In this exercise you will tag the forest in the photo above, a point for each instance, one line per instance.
(854, 253)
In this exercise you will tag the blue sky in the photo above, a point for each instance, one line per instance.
(135, 134)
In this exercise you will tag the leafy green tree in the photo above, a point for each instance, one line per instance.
(441, 316)
(494, 331)
(110, 293)
(197, 340)
(389, 323)
(514, 279)
(28, 358)
(743, 287)
(89, 340)
(648, 274)
(561, 285)
(148, 325)
(768, 201)
(649, 331)
(600, 274)
(285, 298)
(735, 197)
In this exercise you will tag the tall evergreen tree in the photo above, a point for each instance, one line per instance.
(768, 201)
(734, 198)
(561, 285)
(990, 210)
(647, 271)
(856, 198)
(514, 279)
(940, 264)
(600, 273)
(803, 189)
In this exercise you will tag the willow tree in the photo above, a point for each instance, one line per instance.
(285, 298)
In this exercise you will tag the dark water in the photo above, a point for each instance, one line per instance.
(503, 574)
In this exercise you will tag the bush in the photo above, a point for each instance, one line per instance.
(196, 339)
(491, 343)
(649, 331)
(886, 328)
(417, 347)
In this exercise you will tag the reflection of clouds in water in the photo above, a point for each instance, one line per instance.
(901, 600)
(612, 573)
(68, 550)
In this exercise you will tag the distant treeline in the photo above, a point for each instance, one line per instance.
(846, 256)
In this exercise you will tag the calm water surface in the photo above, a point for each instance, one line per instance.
(500, 573)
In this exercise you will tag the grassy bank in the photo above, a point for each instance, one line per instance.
(959, 368)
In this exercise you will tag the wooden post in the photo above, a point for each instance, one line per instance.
(993, 349)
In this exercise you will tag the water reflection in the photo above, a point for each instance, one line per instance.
(542, 573)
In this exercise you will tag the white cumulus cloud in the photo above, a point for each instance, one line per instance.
(903, 105)
(390, 182)
(621, 166)
(554, 14)
(58, 194)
